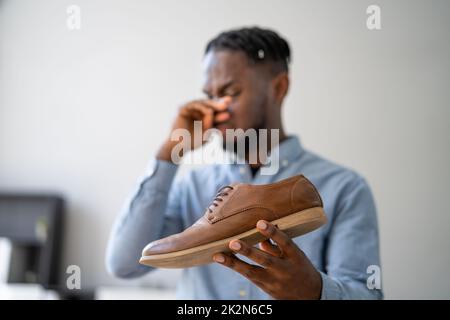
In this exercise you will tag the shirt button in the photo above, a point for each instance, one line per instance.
(242, 170)
(284, 163)
(242, 293)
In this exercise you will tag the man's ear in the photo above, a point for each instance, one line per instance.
(281, 87)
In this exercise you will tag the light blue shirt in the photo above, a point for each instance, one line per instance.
(342, 250)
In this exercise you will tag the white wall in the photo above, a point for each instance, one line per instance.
(82, 111)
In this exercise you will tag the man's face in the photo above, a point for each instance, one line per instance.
(229, 73)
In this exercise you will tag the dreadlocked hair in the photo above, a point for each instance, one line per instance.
(259, 45)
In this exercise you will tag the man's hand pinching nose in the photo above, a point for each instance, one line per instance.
(221, 109)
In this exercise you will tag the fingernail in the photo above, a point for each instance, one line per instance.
(219, 258)
(235, 245)
(261, 225)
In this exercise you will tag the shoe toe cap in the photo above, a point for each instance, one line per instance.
(151, 248)
(156, 247)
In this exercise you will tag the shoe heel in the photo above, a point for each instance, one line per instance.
(301, 222)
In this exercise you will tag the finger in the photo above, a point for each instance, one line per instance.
(219, 105)
(196, 107)
(251, 272)
(260, 257)
(267, 246)
(285, 244)
(221, 117)
(201, 112)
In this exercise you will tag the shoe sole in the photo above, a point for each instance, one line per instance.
(293, 225)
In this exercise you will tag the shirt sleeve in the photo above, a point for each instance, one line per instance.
(151, 213)
(353, 246)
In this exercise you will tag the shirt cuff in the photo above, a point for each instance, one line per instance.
(330, 288)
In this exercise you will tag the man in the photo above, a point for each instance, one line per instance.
(246, 81)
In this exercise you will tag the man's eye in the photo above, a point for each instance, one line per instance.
(233, 93)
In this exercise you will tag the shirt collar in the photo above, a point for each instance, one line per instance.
(288, 150)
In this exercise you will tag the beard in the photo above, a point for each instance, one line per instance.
(242, 143)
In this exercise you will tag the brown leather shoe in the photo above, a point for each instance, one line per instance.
(293, 204)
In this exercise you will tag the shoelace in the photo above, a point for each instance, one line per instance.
(221, 193)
